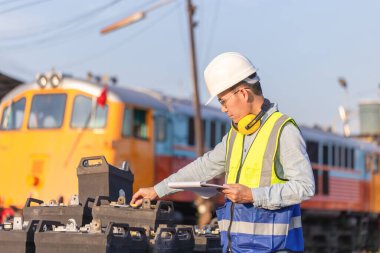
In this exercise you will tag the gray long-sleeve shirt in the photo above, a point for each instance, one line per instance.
(291, 159)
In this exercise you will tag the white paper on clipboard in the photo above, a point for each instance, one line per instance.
(203, 189)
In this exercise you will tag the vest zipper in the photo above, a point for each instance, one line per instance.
(233, 204)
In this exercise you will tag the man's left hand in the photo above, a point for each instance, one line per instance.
(238, 193)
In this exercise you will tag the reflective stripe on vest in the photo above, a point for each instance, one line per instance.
(261, 228)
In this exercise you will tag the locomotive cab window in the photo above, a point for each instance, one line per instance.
(88, 115)
(47, 111)
(140, 128)
(127, 119)
(13, 115)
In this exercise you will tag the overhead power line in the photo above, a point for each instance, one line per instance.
(22, 6)
(9, 2)
(59, 28)
(211, 32)
(120, 43)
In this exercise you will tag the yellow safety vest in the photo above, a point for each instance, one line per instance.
(258, 168)
(245, 228)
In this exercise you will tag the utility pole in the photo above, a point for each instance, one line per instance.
(197, 112)
(204, 206)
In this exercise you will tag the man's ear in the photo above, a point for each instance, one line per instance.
(248, 96)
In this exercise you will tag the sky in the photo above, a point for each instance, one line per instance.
(300, 48)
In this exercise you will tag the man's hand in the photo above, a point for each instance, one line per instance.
(238, 193)
(143, 193)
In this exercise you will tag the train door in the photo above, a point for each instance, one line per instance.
(136, 145)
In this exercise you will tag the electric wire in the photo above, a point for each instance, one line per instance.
(58, 28)
(182, 32)
(8, 2)
(15, 8)
(120, 43)
(69, 34)
(211, 33)
(30, 72)
(49, 27)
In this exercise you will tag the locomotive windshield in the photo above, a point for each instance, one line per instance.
(86, 114)
(47, 111)
(13, 115)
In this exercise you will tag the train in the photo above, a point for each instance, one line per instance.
(48, 125)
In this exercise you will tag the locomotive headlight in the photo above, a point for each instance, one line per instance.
(55, 80)
(42, 80)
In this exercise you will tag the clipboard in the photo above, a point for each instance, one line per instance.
(203, 189)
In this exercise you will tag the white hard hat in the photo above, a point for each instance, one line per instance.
(226, 70)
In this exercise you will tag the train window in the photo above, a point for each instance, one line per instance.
(325, 154)
(352, 158)
(191, 135)
(223, 129)
(13, 115)
(312, 151)
(204, 130)
(342, 157)
(47, 111)
(333, 162)
(140, 128)
(316, 179)
(346, 158)
(325, 185)
(212, 134)
(160, 128)
(127, 119)
(339, 156)
(88, 115)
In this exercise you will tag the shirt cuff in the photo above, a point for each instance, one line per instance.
(162, 189)
(258, 197)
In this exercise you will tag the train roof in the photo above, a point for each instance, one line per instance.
(132, 95)
(182, 106)
(158, 101)
(320, 135)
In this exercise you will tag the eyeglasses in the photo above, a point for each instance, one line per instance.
(223, 102)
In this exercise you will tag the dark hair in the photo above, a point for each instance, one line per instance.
(256, 88)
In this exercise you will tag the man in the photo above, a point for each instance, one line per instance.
(268, 171)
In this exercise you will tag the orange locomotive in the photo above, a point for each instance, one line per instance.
(48, 125)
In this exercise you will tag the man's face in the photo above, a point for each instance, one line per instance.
(234, 103)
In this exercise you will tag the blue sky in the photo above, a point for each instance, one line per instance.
(300, 48)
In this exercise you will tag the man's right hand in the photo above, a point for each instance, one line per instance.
(143, 193)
